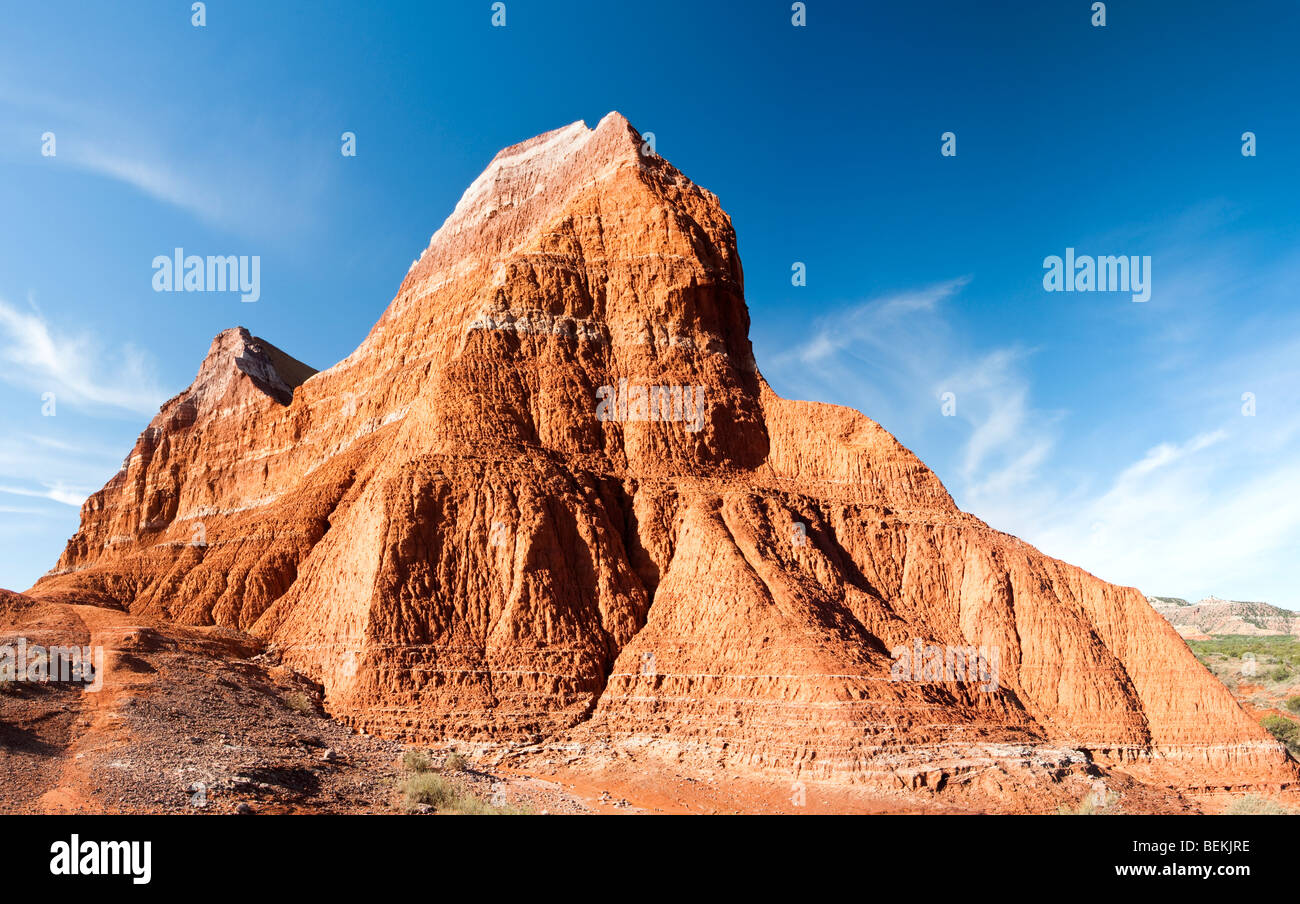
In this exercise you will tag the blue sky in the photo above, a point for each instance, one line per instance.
(1107, 432)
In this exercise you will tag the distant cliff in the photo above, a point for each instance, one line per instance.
(1218, 616)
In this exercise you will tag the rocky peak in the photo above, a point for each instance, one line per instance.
(524, 171)
(237, 353)
(452, 534)
(579, 267)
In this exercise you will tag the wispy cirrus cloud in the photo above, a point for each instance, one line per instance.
(255, 195)
(53, 492)
(873, 356)
(155, 178)
(1204, 516)
(77, 369)
(867, 325)
(1214, 507)
(897, 358)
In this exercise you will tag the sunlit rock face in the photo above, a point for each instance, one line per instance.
(551, 498)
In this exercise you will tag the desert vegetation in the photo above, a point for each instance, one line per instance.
(428, 789)
(1253, 805)
(1285, 730)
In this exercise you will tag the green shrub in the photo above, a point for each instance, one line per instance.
(454, 763)
(1285, 730)
(444, 795)
(1278, 674)
(1293, 704)
(416, 761)
(429, 788)
(1282, 648)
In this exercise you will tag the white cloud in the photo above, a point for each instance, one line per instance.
(74, 368)
(156, 179)
(154, 152)
(51, 443)
(868, 322)
(895, 357)
(1190, 520)
(1216, 509)
(1213, 508)
(54, 492)
(1164, 455)
(14, 510)
(878, 356)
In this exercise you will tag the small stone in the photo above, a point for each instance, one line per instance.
(244, 810)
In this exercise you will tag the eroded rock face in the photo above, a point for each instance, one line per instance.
(485, 524)
(1219, 616)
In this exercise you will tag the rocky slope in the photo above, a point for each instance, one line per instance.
(483, 524)
(186, 719)
(1218, 616)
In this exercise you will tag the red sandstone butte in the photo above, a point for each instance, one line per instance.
(441, 530)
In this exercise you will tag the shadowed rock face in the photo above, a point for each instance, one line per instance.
(449, 532)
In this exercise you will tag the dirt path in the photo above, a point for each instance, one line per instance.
(100, 728)
(39, 721)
